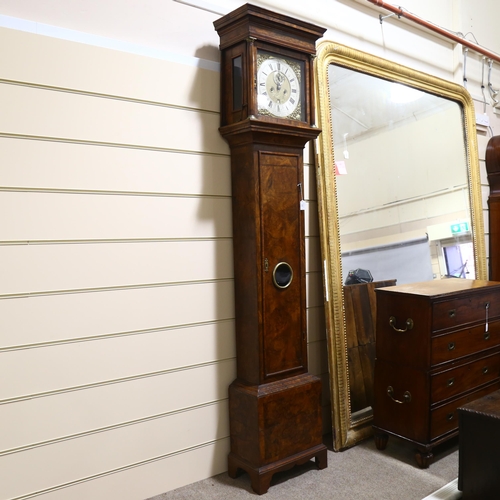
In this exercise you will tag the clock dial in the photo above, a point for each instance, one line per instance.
(279, 87)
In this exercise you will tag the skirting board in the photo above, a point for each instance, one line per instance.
(447, 492)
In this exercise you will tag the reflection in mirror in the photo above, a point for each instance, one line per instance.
(402, 184)
(399, 202)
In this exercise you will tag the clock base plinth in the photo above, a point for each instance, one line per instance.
(261, 477)
(274, 427)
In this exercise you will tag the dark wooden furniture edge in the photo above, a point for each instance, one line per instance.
(261, 477)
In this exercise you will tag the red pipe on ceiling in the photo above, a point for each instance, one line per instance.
(401, 13)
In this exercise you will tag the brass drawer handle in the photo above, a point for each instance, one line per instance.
(409, 325)
(486, 335)
(451, 346)
(406, 396)
(451, 313)
(449, 416)
(451, 381)
(485, 370)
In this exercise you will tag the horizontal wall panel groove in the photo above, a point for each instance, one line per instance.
(49, 61)
(116, 97)
(109, 240)
(45, 318)
(75, 365)
(24, 295)
(111, 217)
(316, 325)
(104, 144)
(152, 478)
(45, 164)
(311, 219)
(107, 452)
(58, 415)
(49, 267)
(314, 289)
(313, 253)
(12, 189)
(80, 435)
(65, 487)
(317, 355)
(64, 390)
(111, 335)
(42, 113)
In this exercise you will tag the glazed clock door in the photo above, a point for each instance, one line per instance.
(284, 336)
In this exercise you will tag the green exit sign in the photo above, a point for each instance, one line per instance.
(461, 227)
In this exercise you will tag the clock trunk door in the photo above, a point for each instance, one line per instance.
(284, 339)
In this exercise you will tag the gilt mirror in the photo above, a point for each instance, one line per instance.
(399, 201)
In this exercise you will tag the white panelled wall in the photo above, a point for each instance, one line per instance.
(116, 310)
(116, 292)
(116, 265)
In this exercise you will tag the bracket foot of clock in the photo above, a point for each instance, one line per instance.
(260, 477)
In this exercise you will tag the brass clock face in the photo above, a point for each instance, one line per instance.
(279, 86)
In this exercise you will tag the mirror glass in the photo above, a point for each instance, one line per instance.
(399, 202)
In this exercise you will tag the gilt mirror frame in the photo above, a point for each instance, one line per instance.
(346, 431)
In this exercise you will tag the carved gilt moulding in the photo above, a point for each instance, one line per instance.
(347, 430)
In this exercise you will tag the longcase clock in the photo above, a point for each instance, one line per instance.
(267, 114)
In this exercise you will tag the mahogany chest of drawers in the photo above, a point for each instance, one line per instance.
(437, 348)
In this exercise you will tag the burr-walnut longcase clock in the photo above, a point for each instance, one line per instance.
(267, 118)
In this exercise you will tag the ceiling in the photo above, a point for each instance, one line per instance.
(363, 105)
(166, 25)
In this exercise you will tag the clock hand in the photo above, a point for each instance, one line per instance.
(279, 78)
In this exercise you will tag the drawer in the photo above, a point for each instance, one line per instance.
(445, 418)
(464, 342)
(466, 310)
(451, 383)
(401, 400)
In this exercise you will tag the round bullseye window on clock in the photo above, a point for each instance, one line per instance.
(282, 275)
